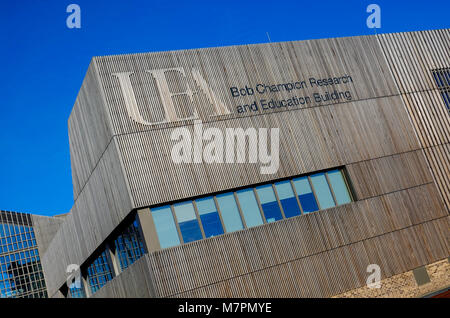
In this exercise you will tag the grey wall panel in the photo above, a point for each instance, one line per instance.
(310, 140)
(388, 174)
(136, 282)
(45, 229)
(89, 129)
(100, 207)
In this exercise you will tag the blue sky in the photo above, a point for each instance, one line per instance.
(44, 63)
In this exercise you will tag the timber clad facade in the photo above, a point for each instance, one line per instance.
(369, 106)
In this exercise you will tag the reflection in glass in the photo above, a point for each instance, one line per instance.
(187, 220)
(305, 195)
(287, 198)
(339, 187)
(165, 226)
(249, 207)
(129, 245)
(230, 212)
(20, 267)
(322, 190)
(99, 272)
(269, 203)
(209, 216)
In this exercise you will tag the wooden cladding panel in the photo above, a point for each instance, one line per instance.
(405, 170)
(101, 206)
(238, 66)
(193, 265)
(310, 140)
(439, 161)
(431, 121)
(136, 282)
(89, 128)
(430, 117)
(326, 273)
(412, 56)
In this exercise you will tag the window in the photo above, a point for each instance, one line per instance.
(305, 195)
(77, 292)
(187, 220)
(99, 272)
(165, 226)
(442, 79)
(323, 193)
(129, 245)
(209, 216)
(249, 207)
(269, 203)
(230, 212)
(287, 198)
(252, 206)
(20, 270)
(339, 186)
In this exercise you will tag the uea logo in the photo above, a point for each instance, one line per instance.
(190, 148)
(170, 114)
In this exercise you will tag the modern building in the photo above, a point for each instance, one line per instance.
(164, 207)
(22, 238)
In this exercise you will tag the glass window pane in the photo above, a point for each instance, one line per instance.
(187, 220)
(287, 198)
(165, 226)
(322, 190)
(209, 216)
(305, 195)
(339, 187)
(230, 212)
(269, 203)
(249, 207)
(129, 245)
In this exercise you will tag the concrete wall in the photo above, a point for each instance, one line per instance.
(45, 229)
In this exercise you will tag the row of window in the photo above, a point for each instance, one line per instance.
(209, 216)
(17, 246)
(12, 229)
(442, 78)
(21, 274)
(17, 238)
(128, 247)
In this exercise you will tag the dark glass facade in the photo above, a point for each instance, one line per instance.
(129, 245)
(99, 272)
(21, 273)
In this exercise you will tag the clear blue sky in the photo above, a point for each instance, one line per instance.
(44, 62)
